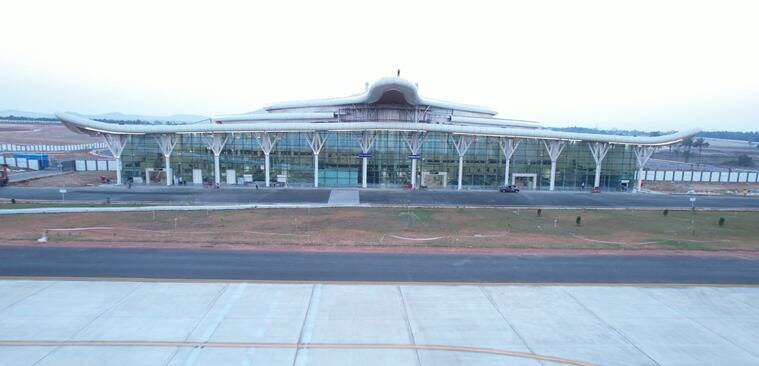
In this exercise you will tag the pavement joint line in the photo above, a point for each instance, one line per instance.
(695, 320)
(100, 314)
(217, 319)
(27, 296)
(407, 320)
(302, 334)
(748, 303)
(379, 283)
(614, 329)
(196, 350)
(495, 306)
(297, 346)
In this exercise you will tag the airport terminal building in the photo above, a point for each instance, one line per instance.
(386, 137)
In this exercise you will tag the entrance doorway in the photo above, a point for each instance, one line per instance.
(434, 180)
(524, 180)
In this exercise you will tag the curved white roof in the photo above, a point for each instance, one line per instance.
(318, 123)
(376, 91)
(302, 116)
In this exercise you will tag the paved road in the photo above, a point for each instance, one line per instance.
(174, 195)
(194, 195)
(21, 176)
(297, 266)
(565, 199)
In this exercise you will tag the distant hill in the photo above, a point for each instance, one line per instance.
(732, 135)
(729, 135)
(611, 132)
(26, 116)
(112, 117)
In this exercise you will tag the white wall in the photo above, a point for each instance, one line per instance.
(700, 176)
(51, 148)
(94, 165)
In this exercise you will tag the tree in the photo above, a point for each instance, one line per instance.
(745, 160)
(700, 144)
(688, 143)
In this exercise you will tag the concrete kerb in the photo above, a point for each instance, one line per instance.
(43, 278)
(54, 210)
(59, 210)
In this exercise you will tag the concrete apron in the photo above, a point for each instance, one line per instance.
(181, 323)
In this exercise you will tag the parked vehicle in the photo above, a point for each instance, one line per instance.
(509, 189)
(4, 175)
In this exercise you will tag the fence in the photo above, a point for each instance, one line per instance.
(699, 176)
(94, 165)
(79, 165)
(51, 148)
(20, 163)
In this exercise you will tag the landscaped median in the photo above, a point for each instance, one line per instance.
(394, 227)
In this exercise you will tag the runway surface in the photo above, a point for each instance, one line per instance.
(373, 267)
(195, 195)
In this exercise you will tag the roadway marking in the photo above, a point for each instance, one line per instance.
(296, 346)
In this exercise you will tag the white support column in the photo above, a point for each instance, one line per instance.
(365, 141)
(216, 144)
(598, 150)
(554, 150)
(508, 147)
(116, 144)
(166, 143)
(414, 141)
(316, 141)
(267, 141)
(642, 154)
(462, 143)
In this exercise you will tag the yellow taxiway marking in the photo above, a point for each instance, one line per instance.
(337, 346)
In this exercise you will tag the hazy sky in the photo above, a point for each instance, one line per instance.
(637, 64)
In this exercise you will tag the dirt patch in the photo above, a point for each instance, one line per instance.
(51, 134)
(715, 187)
(429, 229)
(47, 134)
(69, 179)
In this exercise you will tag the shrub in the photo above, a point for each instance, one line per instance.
(665, 212)
(721, 222)
(578, 221)
(745, 160)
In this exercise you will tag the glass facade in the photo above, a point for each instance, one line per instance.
(389, 165)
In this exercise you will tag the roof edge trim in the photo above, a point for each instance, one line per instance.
(92, 127)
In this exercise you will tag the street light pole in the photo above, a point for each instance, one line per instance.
(693, 216)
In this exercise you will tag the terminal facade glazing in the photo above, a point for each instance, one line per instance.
(389, 166)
